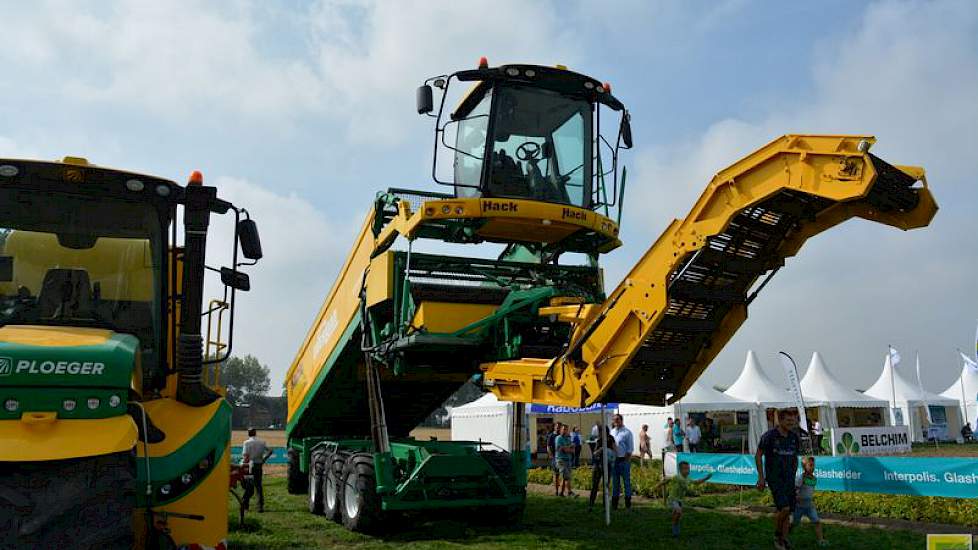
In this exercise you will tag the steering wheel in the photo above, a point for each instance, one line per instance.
(529, 150)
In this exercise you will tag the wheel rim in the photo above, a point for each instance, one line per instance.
(351, 496)
(313, 488)
(330, 492)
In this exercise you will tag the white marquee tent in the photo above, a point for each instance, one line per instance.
(485, 419)
(895, 386)
(965, 390)
(754, 386)
(822, 390)
(699, 399)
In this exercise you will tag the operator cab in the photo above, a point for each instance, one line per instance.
(532, 133)
(528, 132)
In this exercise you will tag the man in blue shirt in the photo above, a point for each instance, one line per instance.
(625, 445)
(777, 462)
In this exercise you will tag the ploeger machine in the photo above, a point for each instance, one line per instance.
(113, 430)
(533, 172)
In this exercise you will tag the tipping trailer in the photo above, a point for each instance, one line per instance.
(534, 174)
(113, 431)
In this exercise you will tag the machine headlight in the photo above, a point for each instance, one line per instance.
(589, 85)
(186, 479)
(446, 209)
(11, 405)
(163, 190)
(530, 73)
(93, 402)
(512, 71)
(863, 146)
(69, 404)
(114, 401)
(459, 210)
(135, 185)
(8, 170)
(165, 490)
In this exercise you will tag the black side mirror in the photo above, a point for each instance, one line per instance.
(626, 130)
(426, 101)
(235, 279)
(250, 242)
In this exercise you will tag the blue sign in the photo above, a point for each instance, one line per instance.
(554, 409)
(278, 455)
(923, 476)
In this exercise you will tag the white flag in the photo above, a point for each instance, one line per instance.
(794, 388)
(920, 386)
(894, 357)
(969, 362)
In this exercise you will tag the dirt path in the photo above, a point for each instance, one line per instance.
(827, 518)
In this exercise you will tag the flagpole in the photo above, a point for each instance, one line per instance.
(893, 406)
(964, 396)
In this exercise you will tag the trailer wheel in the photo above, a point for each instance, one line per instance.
(360, 507)
(295, 480)
(332, 484)
(317, 466)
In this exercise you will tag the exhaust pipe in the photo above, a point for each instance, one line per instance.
(190, 363)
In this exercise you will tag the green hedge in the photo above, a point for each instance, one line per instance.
(644, 478)
(953, 511)
(956, 511)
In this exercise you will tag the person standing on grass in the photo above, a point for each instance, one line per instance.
(644, 444)
(693, 436)
(678, 487)
(599, 457)
(624, 447)
(677, 435)
(817, 433)
(254, 453)
(777, 461)
(552, 455)
(669, 445)
(576, 438)
(564, 446)
(805, 483)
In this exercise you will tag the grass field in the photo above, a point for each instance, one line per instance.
(550, 523)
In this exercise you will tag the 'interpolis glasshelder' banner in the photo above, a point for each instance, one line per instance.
(880, 440)
(926, 476)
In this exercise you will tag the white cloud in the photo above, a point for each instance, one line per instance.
(303, 250)
(908, 74)
(372, 54)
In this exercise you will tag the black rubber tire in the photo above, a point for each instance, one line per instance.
(84, 503)
(295, 482)
(359, 478)
(317, 467)
(332, 482)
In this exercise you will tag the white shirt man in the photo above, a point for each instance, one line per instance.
(693, 436)
(254, 453)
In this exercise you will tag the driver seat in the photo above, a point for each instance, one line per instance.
(65, 293)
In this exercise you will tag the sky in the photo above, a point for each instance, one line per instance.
(302, 111)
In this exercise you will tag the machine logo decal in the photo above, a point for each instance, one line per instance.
(88, 368)
(573, 214)
(6, 366)
(491, 206)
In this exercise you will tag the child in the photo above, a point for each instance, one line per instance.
(678, 486)
(805, 482)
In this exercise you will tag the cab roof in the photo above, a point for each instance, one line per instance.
(558, 79)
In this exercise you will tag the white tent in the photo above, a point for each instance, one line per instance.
(965, 390)
(485, 419)
(699, 399)
(824, 391)
(894, 386)
(754, 386)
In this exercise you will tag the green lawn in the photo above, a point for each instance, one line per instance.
(550, 524)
